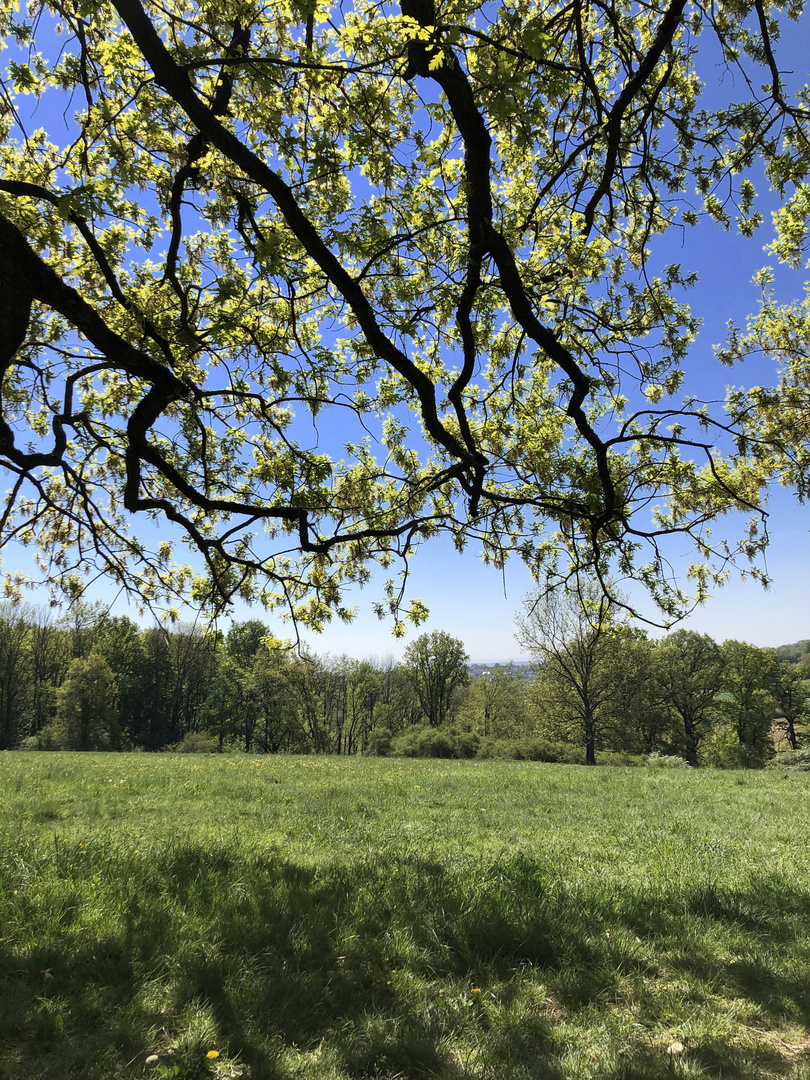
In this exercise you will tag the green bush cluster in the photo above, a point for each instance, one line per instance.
(667, 761)
(422, 741)
(791, 759)
(532, 748)
(197, 742)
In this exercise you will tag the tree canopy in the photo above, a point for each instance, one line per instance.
(314, 282)
(435, 664)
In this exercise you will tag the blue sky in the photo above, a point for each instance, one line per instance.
(478, 604)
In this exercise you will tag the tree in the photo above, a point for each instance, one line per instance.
(120, 642)
(15, 633)
(632, 721)
(244, 641)
(435, 664)
(792, 693)
(496, 703)
(157, 721)
(270, 714)
(49, 659)
(571, 636)
(222, 712)
(748, 701)
(309, 285)
(313, 690)
(192, 652)
(398, 707)
(688, 676)
(364, 690)
(82, 624)
(85, 706)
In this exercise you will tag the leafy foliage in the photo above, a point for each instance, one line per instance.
(85, 710)
(89, 681)
(689, 676)
(312, 283)
(435, 664)
(579, 645)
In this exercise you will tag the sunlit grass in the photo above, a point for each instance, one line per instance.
(335, 918)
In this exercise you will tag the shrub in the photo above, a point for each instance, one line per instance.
(431, 742)
(619, 758)
(379, 742)
(423, 742)
(197, 742)
(667, 761)
(723, 750)
(467, 743)
(791, 759)
(43, 741)
(532, 748)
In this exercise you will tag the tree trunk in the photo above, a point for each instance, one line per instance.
(790, 731)
(590, 741)
(691, 741)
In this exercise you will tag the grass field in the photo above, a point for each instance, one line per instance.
(331, 918)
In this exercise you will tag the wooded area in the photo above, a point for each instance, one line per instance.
(90, 681)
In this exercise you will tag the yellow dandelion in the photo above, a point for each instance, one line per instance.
(212, 1054)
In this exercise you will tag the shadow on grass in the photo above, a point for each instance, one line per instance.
(390, 969)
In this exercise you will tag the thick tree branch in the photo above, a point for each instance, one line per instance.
(175, 81)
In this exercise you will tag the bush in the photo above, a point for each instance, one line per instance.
(723, 750)
(619, 758)
(536, 748)
(423, 742)
(467, 743)
(379, 742)
(430, 742)
(667, 761)
(197, 742)
(532, 748)
(49, 739)
(791, 759)
(43, 741)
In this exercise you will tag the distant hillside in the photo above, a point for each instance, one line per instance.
(521, 669)
(793, 652)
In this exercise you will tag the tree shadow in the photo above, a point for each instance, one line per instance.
(382, 969)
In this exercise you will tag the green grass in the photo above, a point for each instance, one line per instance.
(332, 918)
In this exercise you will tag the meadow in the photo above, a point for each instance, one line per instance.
(332, 918)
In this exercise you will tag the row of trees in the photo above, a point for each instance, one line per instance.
(88, 680)
(603, 683)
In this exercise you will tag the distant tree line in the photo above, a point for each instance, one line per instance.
(598, 689)
(604, 684)
(87, 680)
